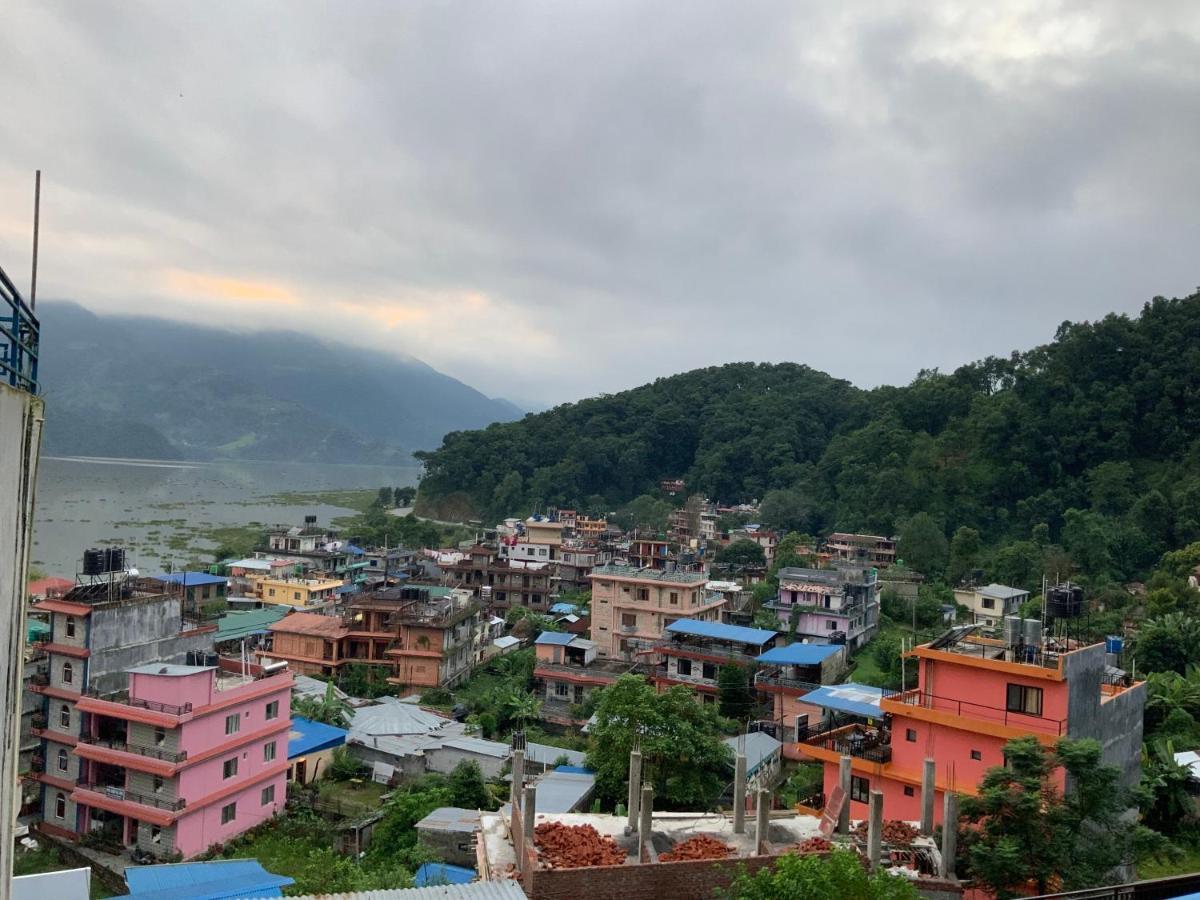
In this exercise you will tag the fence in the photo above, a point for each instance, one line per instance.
(19, 337)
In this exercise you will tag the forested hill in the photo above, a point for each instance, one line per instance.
(1103, 421)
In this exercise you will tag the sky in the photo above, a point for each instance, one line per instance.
(551, 200)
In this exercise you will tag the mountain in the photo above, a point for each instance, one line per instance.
(1091, 442)
(154, 388)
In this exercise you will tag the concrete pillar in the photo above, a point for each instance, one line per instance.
(762, 816)
(928, 788)
(949, 836)
(635, 787)
(518, 776)
(874, 828)
(528, 811)
(646, 809)
(739, 794)
(843, 825)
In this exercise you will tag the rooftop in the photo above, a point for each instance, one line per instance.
(800, 654)
(855, 699)
(759, 748)
(308, 736)
(188, 579)
(211, 880)
(170, 669)
(716, 631)
(555, 638)
(1000, 591)
(239, 623)
(310, 623)
(633, 572)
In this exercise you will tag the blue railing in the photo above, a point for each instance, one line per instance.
(19, 335)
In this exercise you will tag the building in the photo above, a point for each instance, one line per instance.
(184, 758)
(764, 537)
(50, 588)
(211, 880)
(300, 593)
(310, 544)
(764, 759)
(311, 644)
(310, 749)
(787, 674)
(631, 607)
(21, 417)
(991, 603)
(503, 582)
(540, 541)
(588, 529)
(973, 695)
(693, 651)
(836, 606)
(567, 671)
(862, 549)
(649, 551)
(575, 564)
(203, 594)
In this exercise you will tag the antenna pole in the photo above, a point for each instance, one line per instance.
(37, 206)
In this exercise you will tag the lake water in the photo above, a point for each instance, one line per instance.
(145, 504)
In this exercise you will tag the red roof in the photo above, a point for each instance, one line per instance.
(310, 623)
(49, 587)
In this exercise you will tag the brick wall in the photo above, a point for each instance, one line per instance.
(677, 880)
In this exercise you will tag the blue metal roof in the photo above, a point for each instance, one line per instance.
(561, 638)
(564, 608)
(308, 736)
(193, 578)
(855, 699)
(442, 873)
(799, 654)
(574, 770)
(721, 632)
(214, 880)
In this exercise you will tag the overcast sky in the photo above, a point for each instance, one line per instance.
(550, 200)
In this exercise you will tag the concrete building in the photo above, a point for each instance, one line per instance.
(21, 419)
(185, 758)
(567, 671)
(764, 759)
(631, 607)
(589, 529)
(310, 643)
(836, 606)
(312, 594)
(862, 549)
(991, 603)
(202, 594)
(310, 749)
(973, 695)
(786, 674)
(692, 652)
(311, 544)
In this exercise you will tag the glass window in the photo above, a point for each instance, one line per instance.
(560, 689)
(158, 784)
(268, 795)
(64, 716)
(62, 760)
(60, 805)
(977, 754)
(230, 768)
(70, 626)
(830, 624)
(989, 603)
(683, 666)
(155, 834)
(1022, 699)
(233, 724)
(710, 670)
(910, 734)
(860, 789)
(273, 710)
(909, 791)
(228, 813)
(68, 673)
(160, 736)
(268, 751)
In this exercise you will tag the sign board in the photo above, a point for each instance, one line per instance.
(382, 773)
(832, 811)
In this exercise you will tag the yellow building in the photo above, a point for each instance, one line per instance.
(302, 593)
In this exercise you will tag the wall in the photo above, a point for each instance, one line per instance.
(444, 759)
(982, 693)
(951, 747)
(677, 880)
(315, 764)
(199, 830)
(137, 633)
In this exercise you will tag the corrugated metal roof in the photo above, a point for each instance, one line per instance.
(307, 736)
(241, 622)
(478, 745)
(856, 699)
(190, 579)
(563, 792)
(391, 717)
(212, 880)
(545, 754)
(800, 654)
(717, 631)
(564, 608)
(67, 884)
(450, 818)
(476, 890)
(432, 873)
(759, 748)
(559, 638)
(1000, 591)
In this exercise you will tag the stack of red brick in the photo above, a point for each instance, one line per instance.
(573, 846)
(700, 847)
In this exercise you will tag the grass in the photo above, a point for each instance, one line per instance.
(1162, 867)
(359, 500)
(357, 798)
(46, 858)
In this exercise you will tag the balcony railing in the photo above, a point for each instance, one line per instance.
(737, 656)
(123, 698)
(115, 792)
(859, 741)
(173, 756)
(41, 679)
(777, 679)
(978, 711)
(19, 338)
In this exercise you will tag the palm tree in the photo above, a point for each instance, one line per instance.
(1169, 785)
(1169, 691)
(331, 708)
(522, 707)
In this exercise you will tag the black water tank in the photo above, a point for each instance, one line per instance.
(1064, 601)
(114, 559)
(93, 562)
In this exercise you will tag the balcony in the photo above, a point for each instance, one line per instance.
(776, 679)
(19, 338)
(114, 792)
(119, 743)
(855, 740)
(124, 699)
(977, 712)
(41, 679)
(37, 763)
(678, 647)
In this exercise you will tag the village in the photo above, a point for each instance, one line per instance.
(191, 718)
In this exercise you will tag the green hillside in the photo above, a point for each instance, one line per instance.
(1094, 436)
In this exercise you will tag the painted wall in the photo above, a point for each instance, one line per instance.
(199, 830)
(982, 693)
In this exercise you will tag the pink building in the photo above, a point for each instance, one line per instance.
(186, 758)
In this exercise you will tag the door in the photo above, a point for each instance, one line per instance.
(301, 771)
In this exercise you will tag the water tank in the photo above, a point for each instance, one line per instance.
(1032, 629)
(210, 659)
(1114, 643)
(1064, 601)
(114, 559)
(1012, 631)
(93, 562)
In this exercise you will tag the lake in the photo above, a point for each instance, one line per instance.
(159, 510)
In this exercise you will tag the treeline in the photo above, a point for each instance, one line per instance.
(1089, 443)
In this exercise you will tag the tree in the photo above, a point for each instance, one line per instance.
(786, 509)
(648, 513)
(343, 766)
(841, 874)
(1171, 808)
(331, 708)
(683, 754)
(736, 702)
(1025, 834)
(923, 544)
(966, 548)
(1168, 643)
(522, 707)
(743, 552)
(404, 496)
(467, 787)
(384, 497)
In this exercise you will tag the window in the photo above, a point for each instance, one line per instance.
(230, 768)
(62, 760)
(295, 595)
(860, 789)
(268, 795)
(578, 694)
(68, 673)
(909, 791)
(158, 784)
(543, 551)
(60, 805)
(560, 689)
(155, 834)
(674, 596)
(228, 813)
(269, 752)
(629, 619)
(989, 603)
(1022, 699)
(977, 754)
(70, 626)
(64, 716)
(271, 592)
(160, 736)
(273, 710)
(910, 734)
(683, 666)
(233, 724)
(710, 670)
(830, 624)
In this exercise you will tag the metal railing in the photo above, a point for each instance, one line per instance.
(124, 746)
(123, 698)
(863, 742)
(777, 679)
(116, 792)
(20, 334)
(979, 711)
(745, 659)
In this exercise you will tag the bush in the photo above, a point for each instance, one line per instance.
(343, 766)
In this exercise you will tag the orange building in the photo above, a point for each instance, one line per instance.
(631, 607)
